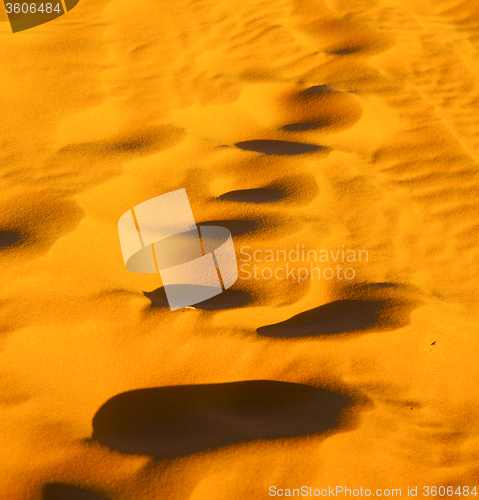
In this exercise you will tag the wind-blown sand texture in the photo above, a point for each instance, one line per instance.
(330, 124)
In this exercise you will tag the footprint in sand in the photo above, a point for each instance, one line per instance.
(258, 195)
(297, 189)
(240, 295)
(377, 307)
(321, 108)
(279, 148)
(166, 422)
(30, 224)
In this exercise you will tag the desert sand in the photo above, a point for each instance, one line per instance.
(320, 125)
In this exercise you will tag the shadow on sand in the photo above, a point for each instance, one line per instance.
(9, 238)
(279, 148)
(258, 195)
(350, 315)
(60, 491)
(166, 422)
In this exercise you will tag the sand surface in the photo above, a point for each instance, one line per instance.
(324, 125)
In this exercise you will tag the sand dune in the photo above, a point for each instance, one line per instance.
(324, 126)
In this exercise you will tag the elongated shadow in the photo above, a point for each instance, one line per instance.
(258, 195)
(61, 491)
(9, 239)
(166, 422)
(343, 316)
(346, 52)
(301, 127)
(280, 148)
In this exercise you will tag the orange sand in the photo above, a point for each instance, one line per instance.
(120, 101)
